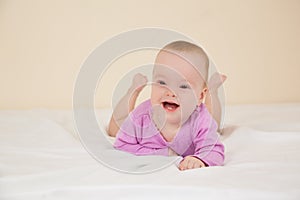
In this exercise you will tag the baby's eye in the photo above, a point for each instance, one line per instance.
(184, 86)
(161, 82)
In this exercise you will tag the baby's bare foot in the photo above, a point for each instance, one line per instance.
(139, 82)
(216, 80)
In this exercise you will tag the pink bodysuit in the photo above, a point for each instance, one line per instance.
(197, 137)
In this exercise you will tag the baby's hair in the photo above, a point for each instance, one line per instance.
(184, 46)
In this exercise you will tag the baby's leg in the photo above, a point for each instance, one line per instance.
(212, 100)
(126, 104)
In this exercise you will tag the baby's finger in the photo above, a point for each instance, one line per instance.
(183, 165)
(203, 164)
(190, 164)
(197, 165)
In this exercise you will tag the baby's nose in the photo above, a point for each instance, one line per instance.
(169, 93)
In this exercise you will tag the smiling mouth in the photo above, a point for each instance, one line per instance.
(169, 106)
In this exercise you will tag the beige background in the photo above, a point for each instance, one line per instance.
(43, 44)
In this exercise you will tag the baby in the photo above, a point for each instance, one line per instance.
(174, 121)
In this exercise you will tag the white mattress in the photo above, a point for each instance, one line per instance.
(41, 157)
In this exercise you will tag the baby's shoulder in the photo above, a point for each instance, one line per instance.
(202, 118)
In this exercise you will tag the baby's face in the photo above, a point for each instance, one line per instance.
(177, 86)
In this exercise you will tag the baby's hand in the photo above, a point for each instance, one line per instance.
(190, 162)
(139, 82)
(215, 81)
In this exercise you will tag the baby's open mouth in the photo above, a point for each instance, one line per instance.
(169, 106)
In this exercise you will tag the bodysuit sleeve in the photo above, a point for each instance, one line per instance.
(208, 147)
(128, 139)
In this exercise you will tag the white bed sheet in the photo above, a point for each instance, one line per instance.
(41, 157)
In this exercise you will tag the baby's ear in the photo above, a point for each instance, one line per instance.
(202, 95)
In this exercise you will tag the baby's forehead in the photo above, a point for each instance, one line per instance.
(189, 64)
(172, 74)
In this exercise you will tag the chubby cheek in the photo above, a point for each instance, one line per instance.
(156, 95)
(188, 104)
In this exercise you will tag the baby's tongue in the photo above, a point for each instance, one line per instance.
(170, 106)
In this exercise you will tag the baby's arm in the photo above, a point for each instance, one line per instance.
(126, 104)
(208, 147)
(130, 144)
(212, 100)
(128, 139)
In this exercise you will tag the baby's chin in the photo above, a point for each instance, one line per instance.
(174, 119)
(178, 118)
(162, 118)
